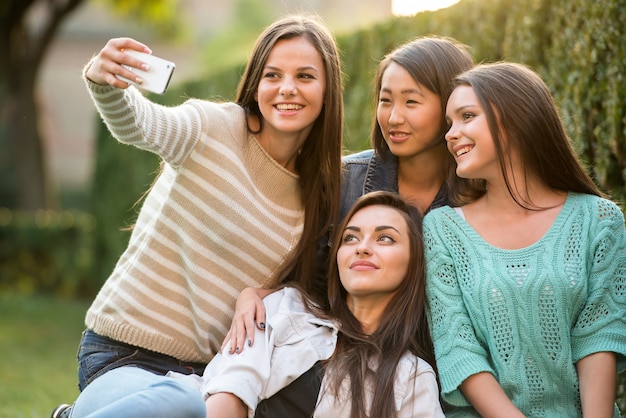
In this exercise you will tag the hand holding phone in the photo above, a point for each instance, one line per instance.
(158, 75)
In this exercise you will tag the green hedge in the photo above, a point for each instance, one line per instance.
(46, 252)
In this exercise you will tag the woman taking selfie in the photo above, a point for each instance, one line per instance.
(239, 202)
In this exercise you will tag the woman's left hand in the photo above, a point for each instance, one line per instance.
(249, 312)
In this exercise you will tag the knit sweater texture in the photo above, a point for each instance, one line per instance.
(222, 215)
(527, 315)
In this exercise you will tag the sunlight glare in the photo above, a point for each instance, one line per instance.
(411, 7)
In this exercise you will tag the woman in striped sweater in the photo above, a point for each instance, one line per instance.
(226, 212)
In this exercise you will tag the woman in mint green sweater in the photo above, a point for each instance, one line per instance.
(526, 277)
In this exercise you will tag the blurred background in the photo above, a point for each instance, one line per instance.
(69, 192)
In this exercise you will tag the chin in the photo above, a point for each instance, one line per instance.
(464, 170)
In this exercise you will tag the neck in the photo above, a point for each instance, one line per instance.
(421, 176)
(425, 168)
(282, 147)
(368, 310)
(527, 195)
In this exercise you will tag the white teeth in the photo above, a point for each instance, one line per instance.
(288, 106)
(463, 150)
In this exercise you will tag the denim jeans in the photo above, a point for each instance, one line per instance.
(98, 355)
(121, 380)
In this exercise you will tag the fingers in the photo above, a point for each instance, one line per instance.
(235, 336)
(249, 314)
(108, 63)
(226, 342)
(242, 328)
(258, 320)
(246, 324)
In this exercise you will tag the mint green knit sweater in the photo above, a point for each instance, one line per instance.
(528, 315)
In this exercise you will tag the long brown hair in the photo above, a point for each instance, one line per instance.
(403, 326)
(319, 162)
(518, 104)
(433, 62)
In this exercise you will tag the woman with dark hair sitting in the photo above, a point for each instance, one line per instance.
(368, 354)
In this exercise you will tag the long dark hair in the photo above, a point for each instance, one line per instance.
(518, 104)
(319, 162)
(403, 326)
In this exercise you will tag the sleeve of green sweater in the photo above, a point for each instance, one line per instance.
(601, 325)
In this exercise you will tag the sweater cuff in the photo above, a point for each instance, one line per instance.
(613, 342)
(458, 371)
(91, 85)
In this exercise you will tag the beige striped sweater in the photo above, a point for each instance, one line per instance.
(221, 216)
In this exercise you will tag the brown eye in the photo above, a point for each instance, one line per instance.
(386, 238)
(347, 238)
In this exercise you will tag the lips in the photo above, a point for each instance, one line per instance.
(286, 107)
(458, 151)
(363, 265)
(398, 136)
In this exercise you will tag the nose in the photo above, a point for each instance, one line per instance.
(363, 248)
(396, 117)
(288, 87)
(452, 134)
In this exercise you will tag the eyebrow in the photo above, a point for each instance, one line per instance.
(405, 91)
(377, 229)
(463, 107)
(306, 68)
(458, 110)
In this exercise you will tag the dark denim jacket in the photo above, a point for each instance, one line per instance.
(364, 172)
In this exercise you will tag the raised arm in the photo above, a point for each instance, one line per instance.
(104, 67)
(172, 132)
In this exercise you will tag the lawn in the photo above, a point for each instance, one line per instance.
(38, 341)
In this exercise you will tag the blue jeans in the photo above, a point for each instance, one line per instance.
(121, 380)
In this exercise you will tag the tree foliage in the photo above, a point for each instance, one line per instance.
(27, 29)
(23, 45)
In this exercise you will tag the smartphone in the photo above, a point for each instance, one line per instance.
(159, 73)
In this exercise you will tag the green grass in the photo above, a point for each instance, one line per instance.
(39, 337)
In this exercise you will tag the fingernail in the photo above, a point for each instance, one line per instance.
(139, 80)
(262, 325)
(237, 350)
(249, 343)
(145, 67)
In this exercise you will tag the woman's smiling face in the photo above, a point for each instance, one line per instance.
(469, 138)
(408, 113)
(292, 88)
